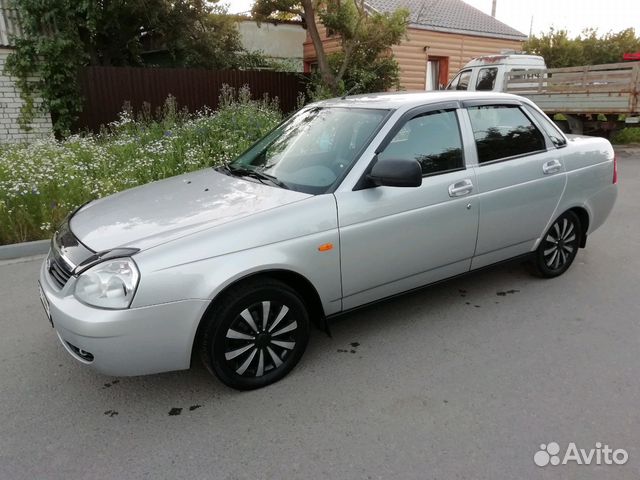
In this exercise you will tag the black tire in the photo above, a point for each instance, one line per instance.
(559, 246)
(244, 349)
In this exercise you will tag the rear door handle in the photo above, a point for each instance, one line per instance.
(461, 188)
(552, 166)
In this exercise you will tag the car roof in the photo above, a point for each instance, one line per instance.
(407, 100)
(511, 59)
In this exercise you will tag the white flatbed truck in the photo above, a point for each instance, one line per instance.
(594, 98)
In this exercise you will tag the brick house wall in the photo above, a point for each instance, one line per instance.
(10, 103)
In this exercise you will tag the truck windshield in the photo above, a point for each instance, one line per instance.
(310, 151)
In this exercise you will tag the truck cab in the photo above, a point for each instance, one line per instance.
(488, 73)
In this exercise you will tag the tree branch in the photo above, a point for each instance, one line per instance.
(323, 64)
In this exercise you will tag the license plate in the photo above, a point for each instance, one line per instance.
(45, 304)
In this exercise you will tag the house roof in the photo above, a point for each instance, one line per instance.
(452, 16)
(9, 26)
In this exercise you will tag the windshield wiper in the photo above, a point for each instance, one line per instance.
(272, 179)
(257, 174)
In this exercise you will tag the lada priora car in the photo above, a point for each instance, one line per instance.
(347, 202)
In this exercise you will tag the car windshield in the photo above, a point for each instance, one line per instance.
(312, 150)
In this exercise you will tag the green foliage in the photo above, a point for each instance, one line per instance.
(556, 47)
(608, 48)
(626, 135)
(369, 31)
(364, 63)
(362, 76)
(52, 48)
(41, 182)
(284, 65)
(61, 36)
(278, 9)
(198, 34)
(589, 48)
(258, 60)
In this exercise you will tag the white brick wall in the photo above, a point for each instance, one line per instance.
(10, 103)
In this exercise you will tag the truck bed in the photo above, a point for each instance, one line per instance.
(606, 89)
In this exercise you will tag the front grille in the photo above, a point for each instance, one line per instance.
(58, 271)
(66, 253)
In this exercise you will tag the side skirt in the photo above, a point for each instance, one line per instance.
(518, 259)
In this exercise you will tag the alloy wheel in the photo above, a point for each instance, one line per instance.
(560, 244)
(260, 338)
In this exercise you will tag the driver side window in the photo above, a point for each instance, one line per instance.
(461, 82)
(433, 139)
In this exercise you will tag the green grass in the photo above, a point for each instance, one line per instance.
(626, 135)
(42, 181)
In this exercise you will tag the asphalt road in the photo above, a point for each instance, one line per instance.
(462, 380)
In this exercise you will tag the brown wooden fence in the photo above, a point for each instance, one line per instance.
(106, 89)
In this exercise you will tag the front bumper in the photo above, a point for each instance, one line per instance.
(136, 341)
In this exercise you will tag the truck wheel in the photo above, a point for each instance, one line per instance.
(256, 334)
(558, 247)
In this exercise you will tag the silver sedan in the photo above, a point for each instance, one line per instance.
(346, 203)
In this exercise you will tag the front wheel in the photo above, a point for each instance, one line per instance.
(559, 246)
(256, 334)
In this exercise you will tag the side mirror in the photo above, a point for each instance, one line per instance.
(396, 173)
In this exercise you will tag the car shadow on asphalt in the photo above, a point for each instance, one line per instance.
(425, 305)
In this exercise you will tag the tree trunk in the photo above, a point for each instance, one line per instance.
(323, 64)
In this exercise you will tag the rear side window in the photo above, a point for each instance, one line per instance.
(550, 128)
(461, 82)
(503, 131)
(486, 79)
(433, 139)
(525, 75)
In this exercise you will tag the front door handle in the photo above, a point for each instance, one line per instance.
(552, 166)
(460, 189)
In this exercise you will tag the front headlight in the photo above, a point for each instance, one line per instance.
(110, 284)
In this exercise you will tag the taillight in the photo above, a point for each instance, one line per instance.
(615, 169)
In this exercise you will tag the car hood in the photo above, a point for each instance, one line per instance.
(168, 209)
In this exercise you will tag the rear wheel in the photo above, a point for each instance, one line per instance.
(559, 246)
(256, 334)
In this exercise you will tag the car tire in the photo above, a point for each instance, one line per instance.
(255, 334)
(559, 246)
